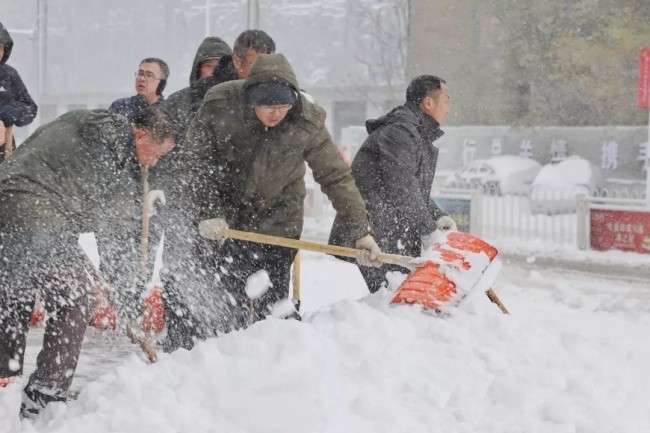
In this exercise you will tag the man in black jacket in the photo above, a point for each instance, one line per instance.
(16, 106)
(394, 172)
(76, 174)
(182, 105)
(150, 81)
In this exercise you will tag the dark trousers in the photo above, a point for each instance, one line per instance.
(392, 240)
(238, 260)
(49, 267)
(376, 277)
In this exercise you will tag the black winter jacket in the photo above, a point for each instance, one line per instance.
(17, 108)
(133, 105)
(184, 104)
(394, 172)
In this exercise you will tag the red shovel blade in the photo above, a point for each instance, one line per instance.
(6, 381)
(426, 286)
(37, 314)
(431, 287)
(103, 315)
(154, 318)
(467, 242)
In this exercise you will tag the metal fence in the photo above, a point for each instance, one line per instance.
(555, 215)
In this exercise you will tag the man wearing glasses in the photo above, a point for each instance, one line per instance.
(243, 161)
(150, 81)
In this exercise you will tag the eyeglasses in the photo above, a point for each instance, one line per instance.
(269, 109)
(146, 75)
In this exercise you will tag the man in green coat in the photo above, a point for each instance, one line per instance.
(76, 174)
(243, 161)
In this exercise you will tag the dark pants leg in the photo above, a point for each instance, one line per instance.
(240, 260)
(14, 323)
(64, 332)
(48, 265)
(392, 240)
(375, 277)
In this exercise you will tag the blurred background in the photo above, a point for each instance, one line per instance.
(526, 77)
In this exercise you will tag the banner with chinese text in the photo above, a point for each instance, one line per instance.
(620, 230)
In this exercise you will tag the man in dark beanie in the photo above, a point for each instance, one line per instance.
(394, 171)
(243, 166)
(16, 106)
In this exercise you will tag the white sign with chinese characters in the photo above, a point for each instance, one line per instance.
(609, 155)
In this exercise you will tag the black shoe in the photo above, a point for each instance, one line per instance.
(35, 401)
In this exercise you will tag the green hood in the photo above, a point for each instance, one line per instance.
(211, 47)
(271, 67)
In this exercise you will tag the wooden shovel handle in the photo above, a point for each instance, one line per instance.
(144, 234)
(494, 298)
(393, 259)
(9, 142)
(144, 344)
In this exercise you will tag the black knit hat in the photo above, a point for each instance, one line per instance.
(272, 93)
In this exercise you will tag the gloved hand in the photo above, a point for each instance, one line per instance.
(369, 251)
(446, 223)
(427, 241)
(9, 115)
(213, 229)
(153, 196)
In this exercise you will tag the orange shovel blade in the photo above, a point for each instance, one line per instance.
(430, 287)
(426, 286)
(103, 315)
(154, 317)
(467, 242)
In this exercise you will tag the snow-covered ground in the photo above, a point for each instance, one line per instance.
(572, 357)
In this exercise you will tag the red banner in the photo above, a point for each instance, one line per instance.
(643, 89)
(620, 230)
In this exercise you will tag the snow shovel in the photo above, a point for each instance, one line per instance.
(458, 264)
(430, 289)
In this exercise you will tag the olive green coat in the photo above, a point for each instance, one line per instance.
(234, 167)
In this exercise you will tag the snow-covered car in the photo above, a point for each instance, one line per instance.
(505, 174)
(557, 185)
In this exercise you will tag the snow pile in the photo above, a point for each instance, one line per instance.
(365, 366)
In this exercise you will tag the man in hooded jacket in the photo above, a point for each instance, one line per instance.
(76, 174)
(16, 106)
(231, 66)
(394, 171)
(184, 104)
(243, 163)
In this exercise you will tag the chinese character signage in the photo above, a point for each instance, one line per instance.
(620, 230)
(526, 148)
(558, 150)
(609, 155)
(496, 146)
